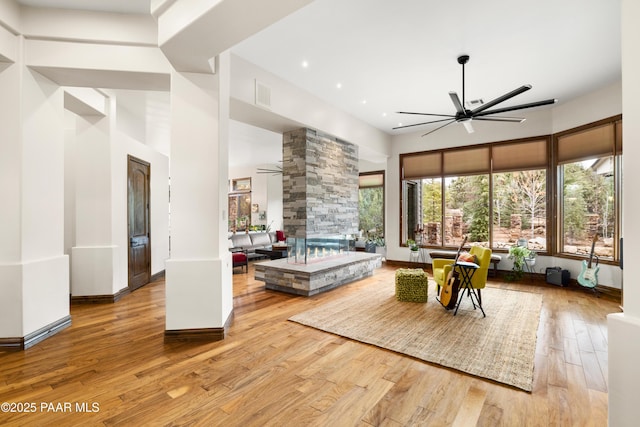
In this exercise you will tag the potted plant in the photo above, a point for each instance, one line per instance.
(413, 246)
(531, 259)
(517, 254)
(381, 247)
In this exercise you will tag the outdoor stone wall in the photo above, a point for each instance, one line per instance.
(320, 185)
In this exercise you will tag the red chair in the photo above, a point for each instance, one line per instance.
(239, 260)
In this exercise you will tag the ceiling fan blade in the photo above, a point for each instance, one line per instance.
(440, 127)
(500, 119)
(420, 124)
(518, 107)
(425, 114)
(467, 125)
(456, 102)
(500, 99)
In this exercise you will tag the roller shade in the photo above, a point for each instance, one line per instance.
(466, 162)
(520, 156)
(594, 142)
(422, 165)
(371, 180)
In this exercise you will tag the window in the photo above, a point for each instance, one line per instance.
(431, 212)
(240, 205)
(495, 194)
(520, 208)
(502, 193)
(371, 204)
(520, 193)
(588, 167)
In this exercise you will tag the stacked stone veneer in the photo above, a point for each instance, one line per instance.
(320, 185)
(311, 279)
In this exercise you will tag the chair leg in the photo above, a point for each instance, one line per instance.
(479, 296)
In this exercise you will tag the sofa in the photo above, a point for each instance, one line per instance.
(249, 242)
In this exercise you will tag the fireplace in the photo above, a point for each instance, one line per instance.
(317, 249)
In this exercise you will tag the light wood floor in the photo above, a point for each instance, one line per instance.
(269, 371)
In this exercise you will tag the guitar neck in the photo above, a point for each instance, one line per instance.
(593, 247)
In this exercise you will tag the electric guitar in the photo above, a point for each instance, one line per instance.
(589, 275)
(449, 293)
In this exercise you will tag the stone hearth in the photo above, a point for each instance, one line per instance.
(311, 279)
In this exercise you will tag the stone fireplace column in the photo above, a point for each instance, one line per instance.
(320, 185)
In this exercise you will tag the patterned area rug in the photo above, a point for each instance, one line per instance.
(500, 347)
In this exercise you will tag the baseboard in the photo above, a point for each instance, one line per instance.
(158, 276)
(198, 334)
(23, 343)
(99, 299)
(407, 264)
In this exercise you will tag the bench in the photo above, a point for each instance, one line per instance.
(495, 259)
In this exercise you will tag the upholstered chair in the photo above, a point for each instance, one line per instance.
(442, 267)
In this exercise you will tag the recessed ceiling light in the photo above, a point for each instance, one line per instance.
(305, 64)
(339, 85)
(364, 101)
(384, 114)
(399, 124)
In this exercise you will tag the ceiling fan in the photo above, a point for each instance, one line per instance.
(482, 112)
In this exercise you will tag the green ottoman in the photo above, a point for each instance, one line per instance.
(412, 285)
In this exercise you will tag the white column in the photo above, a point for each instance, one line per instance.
(34, 272)
(624, 328)
(94, 255)
(198, 275)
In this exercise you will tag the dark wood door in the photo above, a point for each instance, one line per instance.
(138, 173)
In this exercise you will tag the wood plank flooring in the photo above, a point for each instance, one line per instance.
(111, 367)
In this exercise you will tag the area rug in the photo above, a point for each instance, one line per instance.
(499, 347)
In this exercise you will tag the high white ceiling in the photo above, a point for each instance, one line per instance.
(400, 55)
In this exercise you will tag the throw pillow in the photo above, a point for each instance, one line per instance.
(467, 257)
